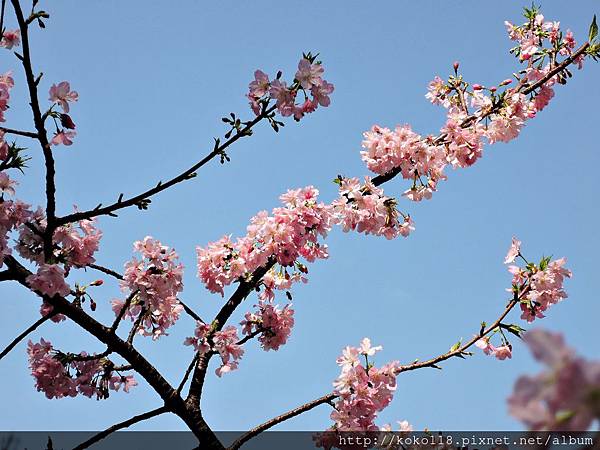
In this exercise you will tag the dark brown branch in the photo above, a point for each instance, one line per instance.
(416, 365)
(220, 320)
(192, 418)
(187, 373)
(28, 134)
(186, 175)
(6, 275)
(41, 133)
(24, 334)
(122, 311)
(190, 312)
(119, 426)
(107, 271)
(136, 324)
(282, 418)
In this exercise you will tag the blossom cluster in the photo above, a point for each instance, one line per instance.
(291, 232)
(274, 324)
(497, 116)
(13, 214)
(501, 352)
(70, 377)
(154, 281)
(74, 243)
(308, 80)
(363, 390)
(223, 342)
(10, 39)
(565, 396)
(6, 84)
(366, 209)
(539, 286)
(61, 95)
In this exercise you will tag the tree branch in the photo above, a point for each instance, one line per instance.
(24, 334)
(186, 175)
(119, 426)
(173, 401)
(28, 134)
(416, 365)
(41, 134)
(282, 418)
(220, 320)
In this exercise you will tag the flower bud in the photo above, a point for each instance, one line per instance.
(97, 283)
(67, 122)
(455, 65)
(477, 87)
(505, 82)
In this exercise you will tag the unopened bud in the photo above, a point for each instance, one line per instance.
(97, 283)
(505, 82)
(493, 89)
(477, 87)
(455, 65)
(67, 122)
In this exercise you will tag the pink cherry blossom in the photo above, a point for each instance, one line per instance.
(70, 377)
(260, 85)
(275, 322)
(321, 93)
(63, 137)
(156, 279)
(62, 94)
(309, 74)
(563, 397)
(7, 186)
(362, 391)
(10, 39)
(513, 251)
(49, 280)
(503, 352)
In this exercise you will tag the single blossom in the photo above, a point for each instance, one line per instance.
(63, 137)
(10, 39)
(62, 94)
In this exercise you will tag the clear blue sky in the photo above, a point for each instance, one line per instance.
(154, 78)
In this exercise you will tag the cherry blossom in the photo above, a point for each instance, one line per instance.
(10, 39)
(63, 137)
(49, 280)
(60, 375)
(62, 94)
(563, 397)
(224, 342)
(276, 324)
(363, 390)
(155, 280)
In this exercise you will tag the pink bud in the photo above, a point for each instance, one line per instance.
(493, 89)
(477, 87)
(97, 283)
(455, 65)
(505, 82)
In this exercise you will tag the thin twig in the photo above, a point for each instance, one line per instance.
(28, 134)
(187, 373)
(122, 311)
(190, 312)
(119, 426)
(416, 365)
(24, 334)
(106, 270)
(282, 418)
(186, 175)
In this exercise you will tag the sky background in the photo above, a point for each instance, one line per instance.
(154, 78)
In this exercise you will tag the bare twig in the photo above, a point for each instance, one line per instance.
(122, 311)
(119, 426)
(282, 418)
(24, 334)
(28, 134)
(186, 175)
(107, 271)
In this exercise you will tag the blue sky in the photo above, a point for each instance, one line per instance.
(154, 80)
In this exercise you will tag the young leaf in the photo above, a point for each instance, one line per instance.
(593, 30)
